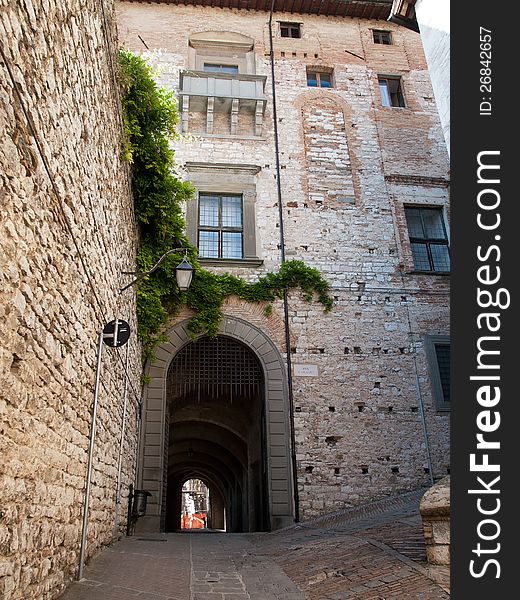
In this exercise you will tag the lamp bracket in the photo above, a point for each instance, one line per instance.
(141, 274)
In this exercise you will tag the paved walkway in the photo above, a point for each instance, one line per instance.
(375, 552)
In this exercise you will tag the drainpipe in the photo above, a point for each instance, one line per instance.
(285, 296)
(121, 443)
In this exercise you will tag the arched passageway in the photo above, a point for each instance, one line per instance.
(216, 431)
(217, 410)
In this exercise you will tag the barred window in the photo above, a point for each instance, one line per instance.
(428, 239)
(220, 230)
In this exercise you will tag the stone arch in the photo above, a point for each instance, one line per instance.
(154, 445)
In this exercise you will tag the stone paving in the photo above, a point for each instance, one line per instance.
(374, 552)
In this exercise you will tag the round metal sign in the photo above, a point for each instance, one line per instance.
(116, 333)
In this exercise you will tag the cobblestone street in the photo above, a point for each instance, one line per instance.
(374, 552)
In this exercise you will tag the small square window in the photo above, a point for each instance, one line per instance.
(382, 37)
(391, 91)
(319, 79)
(428, 239)
(290, 30)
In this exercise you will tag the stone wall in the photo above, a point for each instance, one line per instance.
(435, 513)
(358, 428)
(66, 233)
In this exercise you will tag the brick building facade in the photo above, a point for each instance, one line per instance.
(363, 174)
(362, 413)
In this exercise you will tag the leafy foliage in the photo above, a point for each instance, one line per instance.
(150, 117)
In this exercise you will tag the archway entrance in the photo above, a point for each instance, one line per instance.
(249, 476)
(216, 432)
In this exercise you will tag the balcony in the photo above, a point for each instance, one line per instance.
(237, 95)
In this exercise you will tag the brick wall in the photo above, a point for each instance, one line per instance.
(358, 423)
(66, 233)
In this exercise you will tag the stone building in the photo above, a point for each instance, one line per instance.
(300, 413)
(67, 232)
(285, 415)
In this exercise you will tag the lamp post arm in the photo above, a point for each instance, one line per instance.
(140, 275)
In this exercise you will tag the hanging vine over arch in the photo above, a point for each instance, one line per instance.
(150, 118)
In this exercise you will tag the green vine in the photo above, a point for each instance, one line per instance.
(150, 118)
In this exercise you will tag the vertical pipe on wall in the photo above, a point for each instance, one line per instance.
(90, 459)
(121, 443)
(285, 296)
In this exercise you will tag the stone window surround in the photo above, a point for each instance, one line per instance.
(221, 47)
(430, 341)
(222, 178)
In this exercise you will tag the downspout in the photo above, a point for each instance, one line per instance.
(121, 445)
(285, 295)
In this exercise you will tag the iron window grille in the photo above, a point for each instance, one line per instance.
(382, 37)
(319, 79)
(290, 30)
(214, 367)
(391, 91)
(220, 230)
(428, 239)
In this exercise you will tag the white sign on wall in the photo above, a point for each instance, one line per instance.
(306, 370)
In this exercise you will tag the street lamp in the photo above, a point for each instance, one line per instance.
(183, 271)
(184, 274)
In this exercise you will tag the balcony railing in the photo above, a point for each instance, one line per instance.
(202, 91)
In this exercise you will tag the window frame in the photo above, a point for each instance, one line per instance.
(290, 25)
(430, 344)
(380, 34)
(229, 180)
(220, 229)
(221, 68)
(400, 91)
(428, 242)
(318, 73)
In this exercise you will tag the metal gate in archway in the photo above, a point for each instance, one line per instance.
(216, 432)
(217, 410)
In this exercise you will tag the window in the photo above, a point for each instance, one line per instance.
(290, 30)
(221, 51)
(438, 350)
(391, 91)
(382, 37)
(211, 68)
(428, 239)
(319, 79)
(222, 221)
(220, 232)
